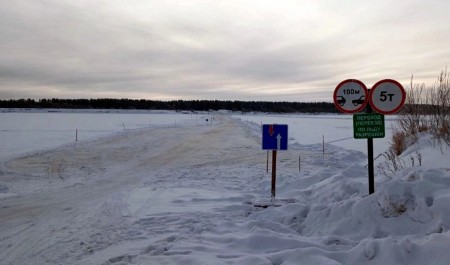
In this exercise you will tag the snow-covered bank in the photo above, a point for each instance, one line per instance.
(185, 196)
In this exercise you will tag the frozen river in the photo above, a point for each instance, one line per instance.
(28, 131)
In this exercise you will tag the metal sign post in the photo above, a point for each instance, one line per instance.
(274, 137)
(386, 97)
(370, 158)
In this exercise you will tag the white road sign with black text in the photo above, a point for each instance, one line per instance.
(387, 96)
(350, 96)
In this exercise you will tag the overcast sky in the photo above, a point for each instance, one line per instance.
(225, 50)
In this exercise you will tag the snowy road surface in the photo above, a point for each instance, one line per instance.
(184, 196)
(94, 201)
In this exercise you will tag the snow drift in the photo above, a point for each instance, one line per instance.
(186, 195)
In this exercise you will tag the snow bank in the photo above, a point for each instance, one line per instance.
(189, 197)
(332, 220)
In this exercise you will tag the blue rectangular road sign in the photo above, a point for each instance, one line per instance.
(274, 137)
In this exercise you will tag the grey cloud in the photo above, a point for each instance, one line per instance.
(75, 48)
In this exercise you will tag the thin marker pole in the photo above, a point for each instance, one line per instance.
(323, 147)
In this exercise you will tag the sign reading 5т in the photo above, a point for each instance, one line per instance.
(387, 96)
(350, 96)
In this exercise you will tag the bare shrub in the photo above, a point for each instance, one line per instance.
(418, 155)
(391, 164)
(411, 119)
(439, 95)
(398, 143)
(425, 110)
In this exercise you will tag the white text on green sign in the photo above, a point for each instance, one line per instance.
(368, 125)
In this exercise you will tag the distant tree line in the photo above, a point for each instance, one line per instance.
(177, 105)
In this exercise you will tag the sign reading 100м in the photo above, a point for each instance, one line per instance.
(350, 96)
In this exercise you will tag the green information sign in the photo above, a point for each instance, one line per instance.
(368, 125)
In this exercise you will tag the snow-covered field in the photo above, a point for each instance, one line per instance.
(185, 194)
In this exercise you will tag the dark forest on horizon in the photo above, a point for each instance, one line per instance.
(177, 105)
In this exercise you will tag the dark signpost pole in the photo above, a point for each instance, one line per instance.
(370, 157)
(274, 172)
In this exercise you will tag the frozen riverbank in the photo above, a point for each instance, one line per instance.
(184, 196)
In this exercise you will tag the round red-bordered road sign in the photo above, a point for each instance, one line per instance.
(387, 96)
(350, 96)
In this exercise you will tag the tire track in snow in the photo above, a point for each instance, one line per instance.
(52, 225)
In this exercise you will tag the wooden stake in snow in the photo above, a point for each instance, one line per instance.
(323, 147)
(76, 135)
(299, 164)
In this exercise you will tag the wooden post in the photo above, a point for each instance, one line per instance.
(323, 147)
(76, 135)
(274, 172)
(299, 164)
(267, 162)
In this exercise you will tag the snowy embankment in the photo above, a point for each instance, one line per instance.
(186, 195)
